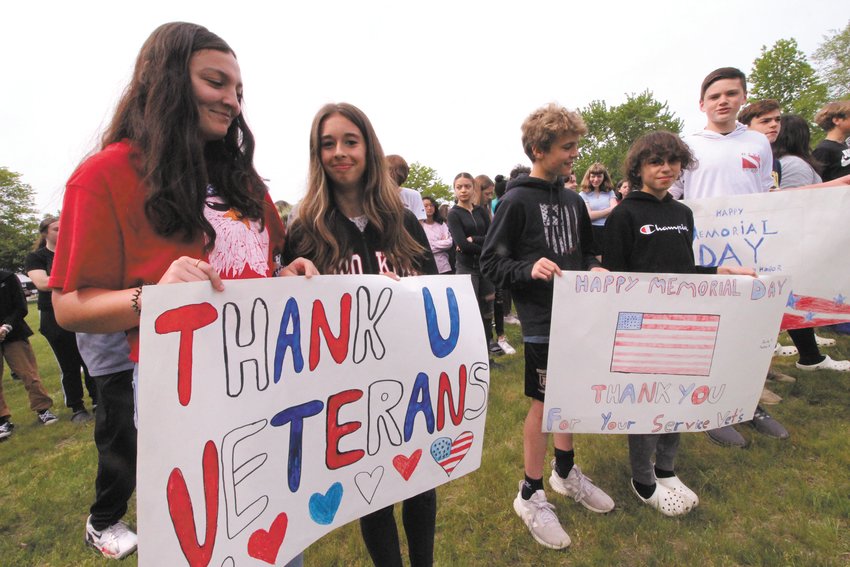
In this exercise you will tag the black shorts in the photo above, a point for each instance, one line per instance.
(536, 357)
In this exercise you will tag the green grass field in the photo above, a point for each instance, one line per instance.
(774, 503)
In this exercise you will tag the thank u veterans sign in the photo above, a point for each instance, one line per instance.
(280, 409)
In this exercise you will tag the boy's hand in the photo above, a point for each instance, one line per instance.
(598, 269)
(545, 269)
(736, 271)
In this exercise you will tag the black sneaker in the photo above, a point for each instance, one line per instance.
(496, 349)
(766, 425)
(81, 416)
(46, 417)
(727, 437)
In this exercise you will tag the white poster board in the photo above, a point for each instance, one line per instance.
(283, 408)
(658, 353)
(803, 233)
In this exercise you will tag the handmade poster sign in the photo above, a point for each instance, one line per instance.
(281, 409)
(658, 353)
(804, 234)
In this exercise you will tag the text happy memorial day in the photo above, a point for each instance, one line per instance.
(658, 353)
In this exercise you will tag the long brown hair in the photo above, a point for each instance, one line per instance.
(159, 115)
(606, 185)
(316, 231)
(45, 223)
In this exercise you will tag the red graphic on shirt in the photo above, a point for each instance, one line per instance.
(750, 161)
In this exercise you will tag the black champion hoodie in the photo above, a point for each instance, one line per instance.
(536, 219)
(644, 234)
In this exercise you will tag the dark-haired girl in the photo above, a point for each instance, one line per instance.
(468, 225)
(438, 235)
(171, 196)
(39, 264)
(351, 216)
(800, 168)
(597, 190)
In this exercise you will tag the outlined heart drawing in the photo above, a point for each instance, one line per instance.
(323, 507)
(448, 453)
(264, 545)
(406, 465)
(367, 482)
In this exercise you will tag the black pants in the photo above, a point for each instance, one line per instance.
(380, 533)
(499, 310)
(115, 438)
(64, 345)
(807, 346)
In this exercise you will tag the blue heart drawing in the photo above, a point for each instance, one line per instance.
(323, 507)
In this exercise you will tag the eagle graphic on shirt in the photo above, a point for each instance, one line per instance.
(239, 242)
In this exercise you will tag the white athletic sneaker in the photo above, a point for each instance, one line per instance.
(539, 516)
(115, 542)
(506, 346)
(582, 490)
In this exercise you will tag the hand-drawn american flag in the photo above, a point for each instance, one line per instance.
(809, 311)
(664, 343)
(449, 453)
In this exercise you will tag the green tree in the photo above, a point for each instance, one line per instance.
(18, 220)
(425, 180)
(612, 130)
(833, 61)
(783, 73)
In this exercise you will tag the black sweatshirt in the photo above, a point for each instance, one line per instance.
(643, 234)
(462, 224)
(536, 219)
(366, 254)
(13, 307)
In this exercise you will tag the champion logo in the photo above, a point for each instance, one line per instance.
(650, 228)
(750, 161)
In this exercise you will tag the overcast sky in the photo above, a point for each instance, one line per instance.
(445, 83)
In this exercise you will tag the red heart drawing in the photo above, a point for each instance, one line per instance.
(264, 545)
(406, 465)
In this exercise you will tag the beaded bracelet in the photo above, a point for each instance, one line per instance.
(137, 308)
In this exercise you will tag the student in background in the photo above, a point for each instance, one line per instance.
(39, 263)
(438, 235)
(597, 190)
(832, 152)
(412, 200)
(468, 224)
(16, 351)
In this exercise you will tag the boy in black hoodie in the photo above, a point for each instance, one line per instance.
(538, 230)
(651, 232)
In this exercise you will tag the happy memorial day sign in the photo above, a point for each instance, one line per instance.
(804, 234)
(658, 353)
(283, 408)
